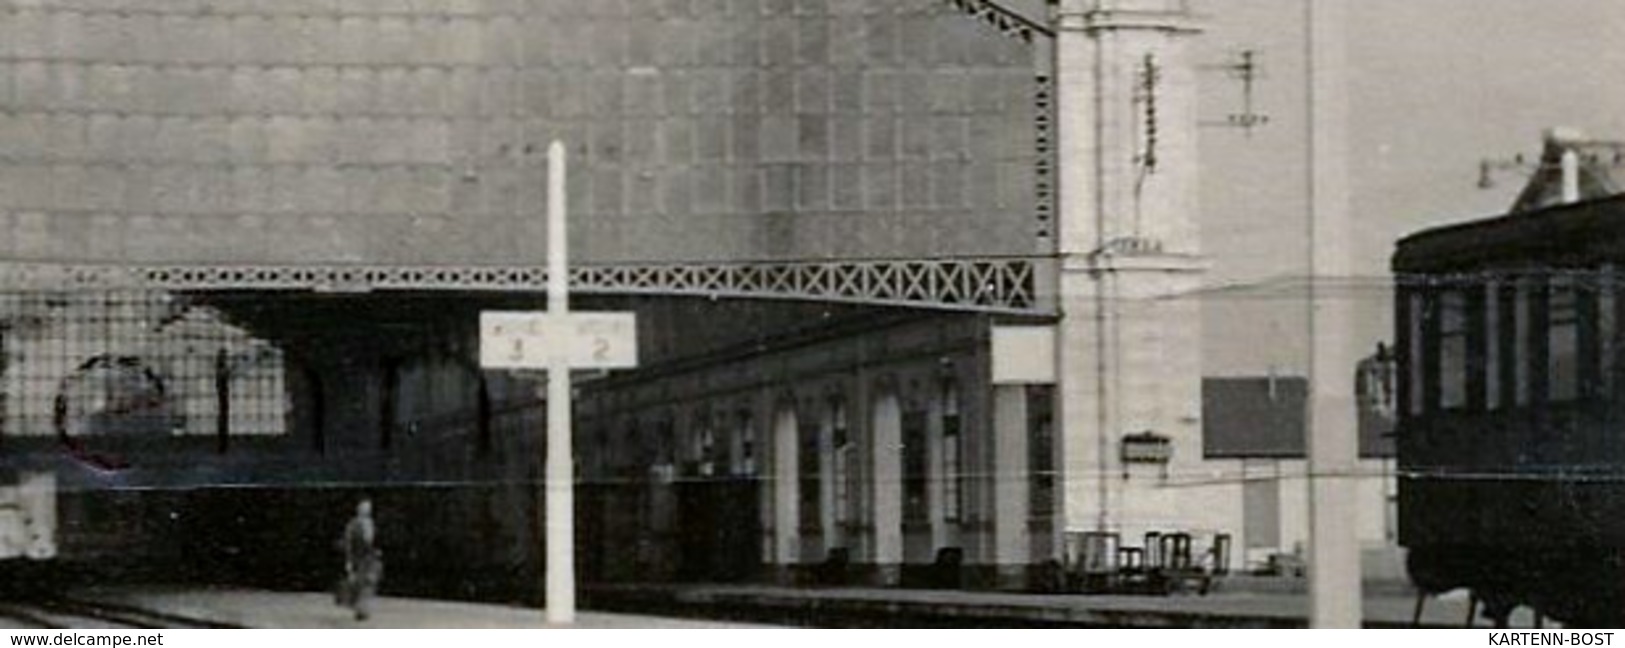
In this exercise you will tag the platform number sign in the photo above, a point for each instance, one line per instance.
(579, 340)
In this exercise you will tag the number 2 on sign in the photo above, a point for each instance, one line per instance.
(600, 348)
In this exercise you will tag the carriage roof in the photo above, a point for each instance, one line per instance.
(1582, 234)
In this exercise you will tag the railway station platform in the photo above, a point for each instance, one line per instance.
(1256, 604)
(1242, 605)
(252, 608)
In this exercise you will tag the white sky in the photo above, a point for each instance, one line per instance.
(1436, 85)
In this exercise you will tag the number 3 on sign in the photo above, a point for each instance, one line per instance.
(582, 340)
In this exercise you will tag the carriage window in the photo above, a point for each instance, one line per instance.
(1606, 344)
(1520, 346)
(1563, 345)
(1492, 346)
(1453, 351)
(1413, 354)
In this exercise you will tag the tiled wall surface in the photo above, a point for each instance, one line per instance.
(412, 131)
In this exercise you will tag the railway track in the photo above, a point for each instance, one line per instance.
(62, 614)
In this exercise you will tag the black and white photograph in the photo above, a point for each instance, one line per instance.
(872, 314)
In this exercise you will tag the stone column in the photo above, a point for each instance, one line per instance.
(1012, 544)
(786, 487)
(886, 480)
(935, 470)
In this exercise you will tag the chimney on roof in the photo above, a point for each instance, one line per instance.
(1571, 168)
(1568, 140)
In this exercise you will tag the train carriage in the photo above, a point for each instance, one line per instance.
(1511, 349)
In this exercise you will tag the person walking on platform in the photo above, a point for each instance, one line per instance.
(363, 563)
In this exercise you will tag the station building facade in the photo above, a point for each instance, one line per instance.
(877, 448)
(314, 175)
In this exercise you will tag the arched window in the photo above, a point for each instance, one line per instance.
(747, 443)
(388, 398)
(1041, 475)
(807, 473)
(482, 416)
(952, 452)
(841, 473)
(665, 451)
(702, 448)
(318, 409)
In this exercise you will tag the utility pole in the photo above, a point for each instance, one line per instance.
(1334, 550)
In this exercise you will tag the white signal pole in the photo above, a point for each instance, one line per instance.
(560, 478)
(1334, 550)
(558, 340)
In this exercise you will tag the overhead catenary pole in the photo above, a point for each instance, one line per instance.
(1334, 551)
(560, 478)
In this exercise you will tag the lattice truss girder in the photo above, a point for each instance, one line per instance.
(1006, 20)
(987, 284)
